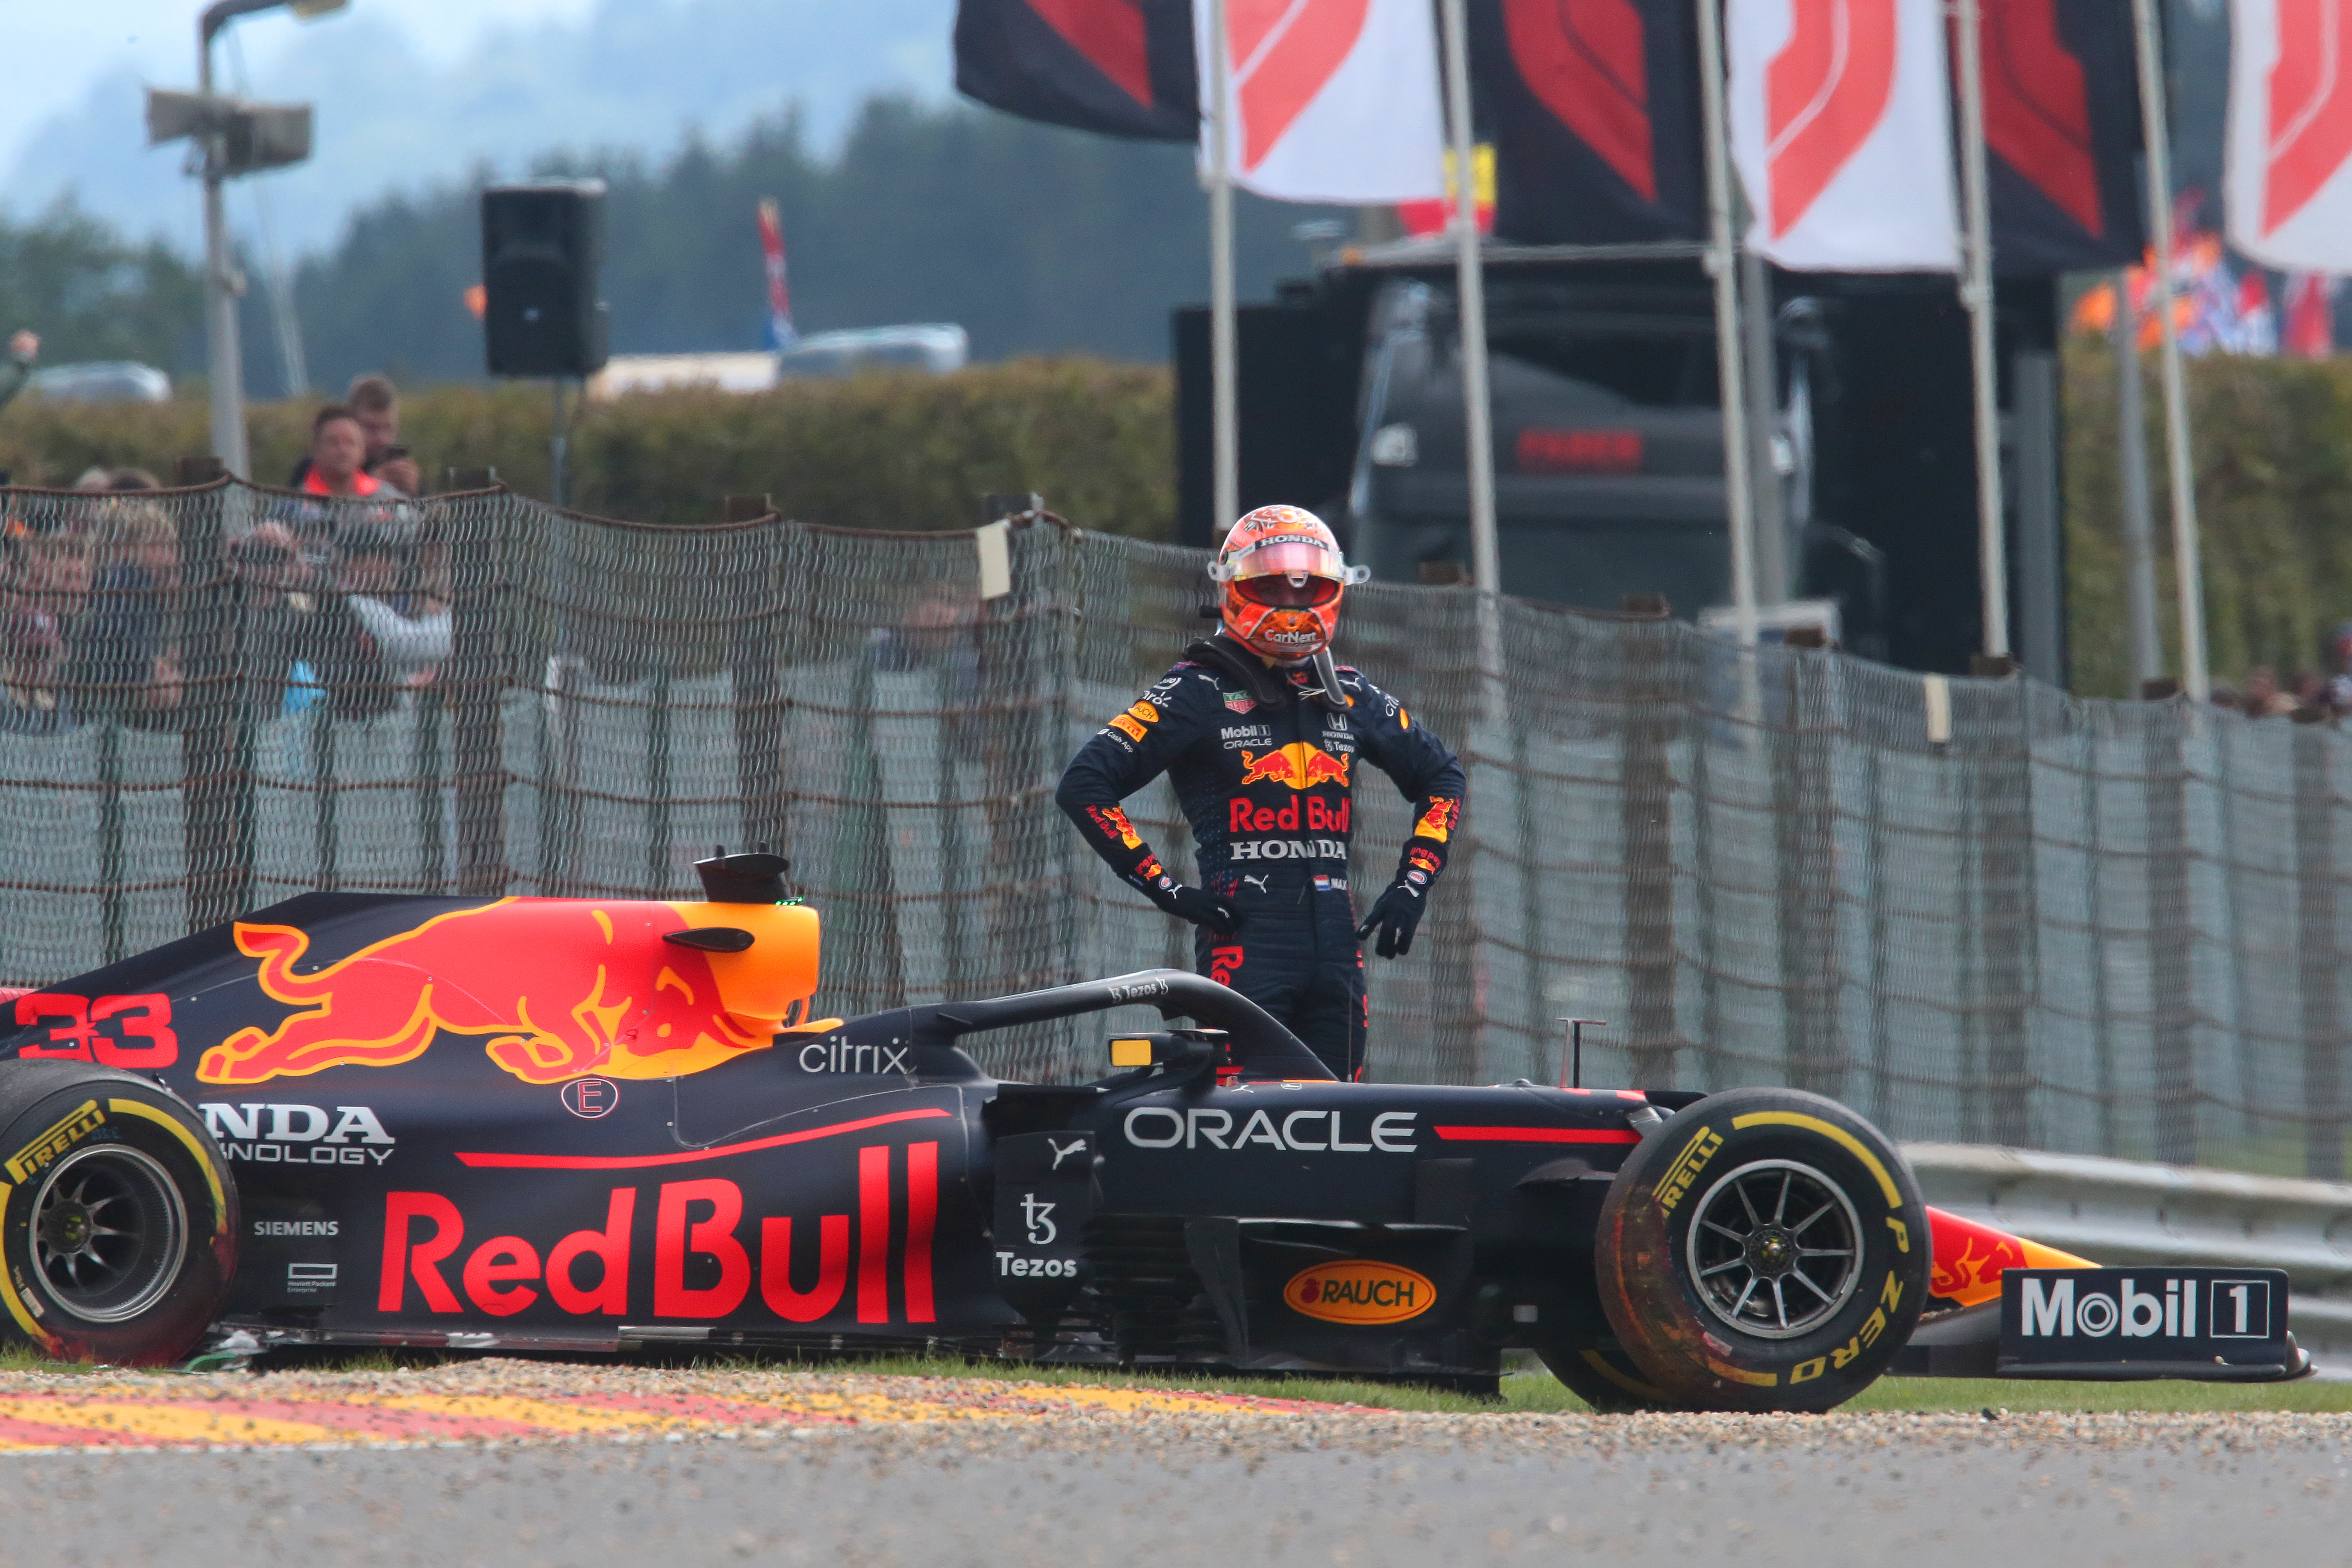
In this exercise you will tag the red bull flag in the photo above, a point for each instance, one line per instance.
(2285, 187)
(1328, 100)
(2062, 132)
(1594, 105)
(1841, 128)
(1118, 67)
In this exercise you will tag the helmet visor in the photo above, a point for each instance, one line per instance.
(1288, 590)
(1288, 557)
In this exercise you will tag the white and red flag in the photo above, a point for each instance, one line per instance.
(781, 335)
(1328, 100)
(1841, 128)
(2285, 186)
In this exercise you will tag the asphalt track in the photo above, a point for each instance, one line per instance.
(795, 1468)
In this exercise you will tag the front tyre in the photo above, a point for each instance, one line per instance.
(118, 1216)
(1766, 1250)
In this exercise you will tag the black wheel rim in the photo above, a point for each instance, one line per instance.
(108, 1231)
(1775, 1249)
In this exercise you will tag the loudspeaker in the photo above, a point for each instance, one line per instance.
(542, 246)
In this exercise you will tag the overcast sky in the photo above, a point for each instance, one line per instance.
(410, 94)
(56, 51)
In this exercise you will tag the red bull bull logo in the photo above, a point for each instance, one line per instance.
(1439, 821)
(1114, 824)
(557, 987)
(1300, 765)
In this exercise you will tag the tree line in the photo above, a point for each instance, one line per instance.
(1036, 239)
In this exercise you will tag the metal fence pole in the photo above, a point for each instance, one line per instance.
(1653, 716)
(753, 638)
(2317, 957)
(1804, 817)
(217, 740)
(2171, 937)
(477, 673)
(2005, 865)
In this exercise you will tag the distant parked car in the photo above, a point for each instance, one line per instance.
(935, 347)
(102, 380)
(662, 373)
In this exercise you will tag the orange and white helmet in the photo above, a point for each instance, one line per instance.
(1282, 575)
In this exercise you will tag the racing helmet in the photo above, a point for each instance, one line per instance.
(1280, 577)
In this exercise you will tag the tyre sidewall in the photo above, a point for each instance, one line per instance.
(1645, 1277)
(45, 1115)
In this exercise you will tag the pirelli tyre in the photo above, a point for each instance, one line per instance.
(1765, 1249)
(118, 1216)
(1596, 1369)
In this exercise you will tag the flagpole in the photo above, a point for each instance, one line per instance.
(2187, 569)
(1722, 263)
(1470, 289)
(1975, 295)
(1225, 420)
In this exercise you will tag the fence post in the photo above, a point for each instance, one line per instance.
(2315, 952)
(1653, 711)
(759, 721)
(216, 737)
(478, 672)
(2171, 937)
(2005, 869)
(1804, 821)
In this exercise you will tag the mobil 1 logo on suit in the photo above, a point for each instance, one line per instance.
(2221, 1324)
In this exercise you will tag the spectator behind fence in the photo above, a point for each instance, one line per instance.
(47, 583)
(2263, 699)
(124, 658)
(338, 455)
(18, 368)
(371, 640)
(374, 401)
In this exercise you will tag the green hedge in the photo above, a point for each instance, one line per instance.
(2274, 443)
(877, 451)
(2273, 447)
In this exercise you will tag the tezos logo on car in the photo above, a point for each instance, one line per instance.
(1359, 1290)
(300, 1134)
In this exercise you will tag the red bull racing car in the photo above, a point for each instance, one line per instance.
(588, 1125)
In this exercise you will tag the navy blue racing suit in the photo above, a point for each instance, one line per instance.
(1269, 788)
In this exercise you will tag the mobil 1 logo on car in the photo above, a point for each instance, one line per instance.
(2219, 1324)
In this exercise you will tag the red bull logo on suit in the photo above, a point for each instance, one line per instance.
(1299, 765)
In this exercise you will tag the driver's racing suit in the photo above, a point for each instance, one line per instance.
(1267, 786)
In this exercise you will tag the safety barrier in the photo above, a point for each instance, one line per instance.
(2124, 1211)
(1976, 911)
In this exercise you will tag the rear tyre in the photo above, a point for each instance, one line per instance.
(1766, 1250)
(118, 1216)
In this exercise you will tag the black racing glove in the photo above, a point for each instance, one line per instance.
(1201, 908)
(1394, 915)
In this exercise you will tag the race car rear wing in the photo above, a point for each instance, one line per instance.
(1261, 1046)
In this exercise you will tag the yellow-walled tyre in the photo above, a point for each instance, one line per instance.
(1765, 1249)
(118, 1216)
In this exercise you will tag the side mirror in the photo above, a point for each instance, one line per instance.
(1177, 1050)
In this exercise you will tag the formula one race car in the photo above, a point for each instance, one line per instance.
(588, 1125)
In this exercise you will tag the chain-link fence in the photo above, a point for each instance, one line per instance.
(2090, 926)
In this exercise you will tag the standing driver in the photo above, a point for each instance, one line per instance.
(1260, 732)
